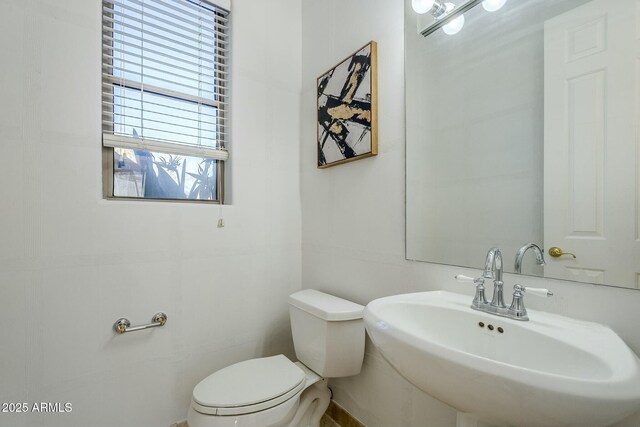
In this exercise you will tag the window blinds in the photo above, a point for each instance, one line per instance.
(165, 76)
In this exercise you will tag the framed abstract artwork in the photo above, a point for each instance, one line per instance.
(347, 109)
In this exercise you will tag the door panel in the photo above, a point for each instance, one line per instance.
(592, 184)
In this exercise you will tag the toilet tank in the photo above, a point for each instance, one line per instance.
(328, 333)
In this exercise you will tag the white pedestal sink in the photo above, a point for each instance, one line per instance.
(549, 371)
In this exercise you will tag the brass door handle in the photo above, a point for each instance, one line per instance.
(556, 252)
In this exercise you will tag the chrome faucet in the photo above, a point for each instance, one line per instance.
(493, 270)
(517, 267)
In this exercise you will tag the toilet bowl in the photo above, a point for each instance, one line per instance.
(328, 335)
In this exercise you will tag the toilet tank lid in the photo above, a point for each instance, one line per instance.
(325, 306)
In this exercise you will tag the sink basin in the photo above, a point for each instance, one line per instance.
(549, 371)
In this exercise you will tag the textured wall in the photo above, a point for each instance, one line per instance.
(72, 263)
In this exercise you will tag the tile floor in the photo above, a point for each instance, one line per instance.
(327, 421)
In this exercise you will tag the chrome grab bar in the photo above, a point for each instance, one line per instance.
(123, 325)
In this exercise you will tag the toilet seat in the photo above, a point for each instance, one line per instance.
(250, 386)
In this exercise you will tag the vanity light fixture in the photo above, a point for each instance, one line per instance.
(493, 5)
(449, 15)
(440, 11)
(455, 25)
(435, 7)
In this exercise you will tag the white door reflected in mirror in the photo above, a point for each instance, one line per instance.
(589, 151)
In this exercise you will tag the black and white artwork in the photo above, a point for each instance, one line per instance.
(347, 122)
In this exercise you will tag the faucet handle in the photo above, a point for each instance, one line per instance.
(466, 279)
(517, 310)
(470, 280)
(479, 298)
(539, 292)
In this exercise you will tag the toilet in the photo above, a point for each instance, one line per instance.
(328, 336)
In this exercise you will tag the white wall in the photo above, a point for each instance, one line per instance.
(353, 219)
(72, 263)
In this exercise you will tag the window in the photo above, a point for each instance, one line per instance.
(165, 121)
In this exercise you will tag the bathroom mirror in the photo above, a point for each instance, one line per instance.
(523, 124)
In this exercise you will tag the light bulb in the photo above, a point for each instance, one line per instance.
(454, 26)
(422, 6)
(493, 5)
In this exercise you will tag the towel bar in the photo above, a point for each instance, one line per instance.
(123, 325)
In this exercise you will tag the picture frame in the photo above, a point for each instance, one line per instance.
(347, 110)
